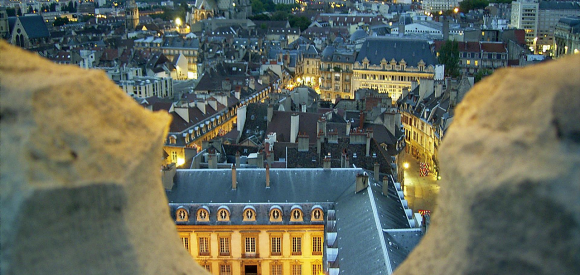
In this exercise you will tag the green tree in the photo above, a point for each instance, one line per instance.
(301, 22)
(449, 56)
(11, 12)
(467, 5)
(257, 6)
(481, 74)
(60, 21)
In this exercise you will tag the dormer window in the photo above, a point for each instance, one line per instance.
(181, 215)
(203, 214)
(275, 213)
(223, 214)
(317, 214)
(249, 214)
(296, 214)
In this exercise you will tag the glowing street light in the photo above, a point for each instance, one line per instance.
(178, 21)
(456, 10)
(406, 165)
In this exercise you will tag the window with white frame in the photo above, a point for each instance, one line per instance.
(224, 246)
(203, 246)
(296, 269)
(276, 246)
(296, 245)
(225, 269)
(185, 242)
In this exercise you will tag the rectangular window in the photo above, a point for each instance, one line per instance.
(225, 269)
(296, 245)
(207, 267)
(224, 246)
(276, 245)
(296, 269)
(316, 245)
(316, 269)
(203, 246)
(476, 63)
(185, 242)
(276, 269)
(468, 61)
(250, 245)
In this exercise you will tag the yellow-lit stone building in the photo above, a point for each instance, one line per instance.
(336, 71)
(290, 221)
(390, 65)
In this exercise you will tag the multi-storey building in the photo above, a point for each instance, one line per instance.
(311, 66)
(336, 68)
(550, 13)
(391, 64)
(567, 36)
(525, 16)
(433, 6)
(173, 47)
(131, 15)
(147, 86)
(291, 221)
(538, 19)
(480, 55)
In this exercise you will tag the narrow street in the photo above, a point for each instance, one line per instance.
(420, 192)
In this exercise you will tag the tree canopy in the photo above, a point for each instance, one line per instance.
(467, 5)
(449, 56)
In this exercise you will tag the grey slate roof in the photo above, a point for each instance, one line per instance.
(400, 242)
(359, 218)
(559, 5)
(34, 26)
(411, 50)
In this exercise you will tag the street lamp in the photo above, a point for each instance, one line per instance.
(406, 165)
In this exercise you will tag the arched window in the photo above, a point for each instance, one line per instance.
(317, 213)
(202, 214)
(276, 213)
(296, 214)
(223, 214)
(181, 214)
(249, 214)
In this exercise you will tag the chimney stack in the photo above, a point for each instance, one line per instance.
(385, 185)
(369, 137)
(346, 162)
(361, 120)
(238, 159)
(294, 127)
(362, 182)
(348, 126)
(212, 160)
(303, 142)
(377, 166)
(234, 180)
(167, 174)
(267, 176)
(270, 112)
(326, 164)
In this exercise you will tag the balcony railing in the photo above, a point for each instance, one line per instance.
(250, 255)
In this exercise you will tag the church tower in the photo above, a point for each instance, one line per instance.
(131, 15)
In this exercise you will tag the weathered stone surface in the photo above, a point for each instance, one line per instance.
(80, 175)
(509, 201)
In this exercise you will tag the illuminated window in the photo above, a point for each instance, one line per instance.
(296, 269)
(185, 242)
(207, 267)
(316, 245)
(202, 215)
(476, 62)
(317, 214)
(223, 214)
(468, 62)
(225, 269)
(181, 215)
(296, 245)
(296, 214)
(276, 246)
(250, 246)
(249, 214)
(224, 246)
(275, 214)
(203, 246)
(316, 269)
(174, 157)
(276, 269)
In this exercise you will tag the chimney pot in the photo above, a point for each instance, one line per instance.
(234, 179)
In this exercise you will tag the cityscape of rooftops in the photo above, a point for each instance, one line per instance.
(316, 121)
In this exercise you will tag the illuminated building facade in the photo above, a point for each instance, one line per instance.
(288, 221)
(390, 65)
(336, 73)
(131, 15)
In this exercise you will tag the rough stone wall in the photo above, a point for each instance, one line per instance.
(80, 175)
(510, 194)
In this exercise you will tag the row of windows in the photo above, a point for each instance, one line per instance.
(250, 245)
(249, 214)
(275, 268)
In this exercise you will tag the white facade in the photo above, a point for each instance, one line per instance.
(144, 87)
(525, 16)
(440, 5)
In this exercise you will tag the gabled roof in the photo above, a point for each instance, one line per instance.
(34, 26)
(281, 121)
